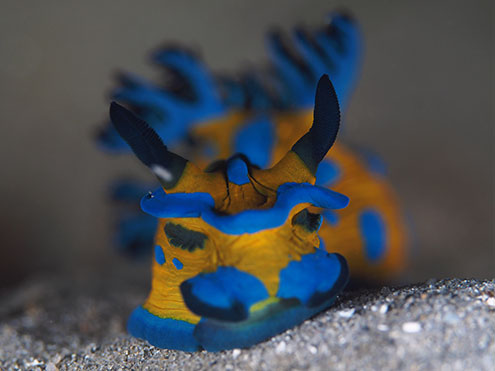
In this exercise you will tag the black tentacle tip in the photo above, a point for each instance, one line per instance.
(324, 84)
(325, 93)
(314, 145)
(117, 112)
(125, 121)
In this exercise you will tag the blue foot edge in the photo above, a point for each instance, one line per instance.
(162, 332)
(215, 336)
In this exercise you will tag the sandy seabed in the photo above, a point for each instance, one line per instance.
(57, 324)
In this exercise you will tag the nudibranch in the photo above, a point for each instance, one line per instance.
(236, 257)
(261, 114)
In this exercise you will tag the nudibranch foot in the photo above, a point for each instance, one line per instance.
(272, 320)
(236, 310)
(166, 333)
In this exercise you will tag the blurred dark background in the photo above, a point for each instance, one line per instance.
(424, 103)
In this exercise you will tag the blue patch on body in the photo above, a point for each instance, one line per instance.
(178, 264)
(330, 217)
(237, 171)
(162, 332)
(277, 317)
(327, 173)
(373, 232)
(177, 205)
(159, 256)
(256, 140)
(374, 162)
(312, 279)
(225, 294)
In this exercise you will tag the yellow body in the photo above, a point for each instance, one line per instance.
(254, 253)
(262, 254)
(364, 188)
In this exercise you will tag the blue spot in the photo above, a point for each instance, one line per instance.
(237, 171)
(225, 294)
(374, 162)
(315, 278)
(327, 173)
(159, 256)
(330, 217)
(255, 140)
(373, 232)
(178, 264)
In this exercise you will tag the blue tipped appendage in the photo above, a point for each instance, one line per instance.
(237, 171)
(373, 233)
(183, 205)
